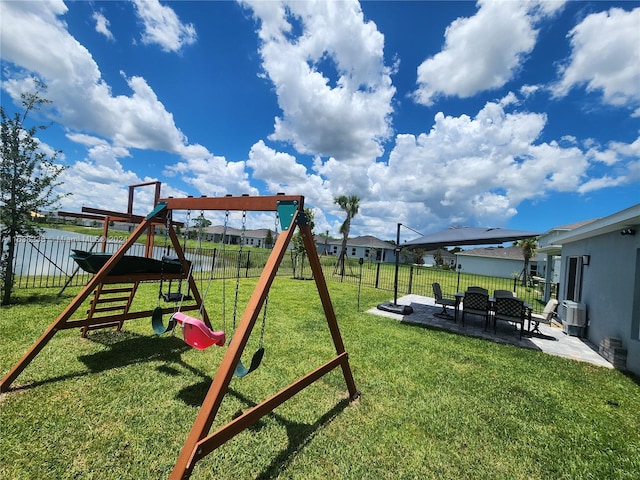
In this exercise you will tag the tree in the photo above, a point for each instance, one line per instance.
(28, 178)
(268, 239)
(350, 205)
(199, 224)
(299, 252)
(529, 247)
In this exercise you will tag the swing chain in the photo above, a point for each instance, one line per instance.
(239, 264)
(264, 321)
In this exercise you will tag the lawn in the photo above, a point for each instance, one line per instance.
(434, 404)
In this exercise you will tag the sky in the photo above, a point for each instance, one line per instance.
(513, 114)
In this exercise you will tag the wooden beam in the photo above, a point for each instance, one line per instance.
(243, 203)
(109, 213)
(211, 404)
(329, 312)
(199, 443)
(237, 425)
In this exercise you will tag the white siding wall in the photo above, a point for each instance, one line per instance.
(495, 267)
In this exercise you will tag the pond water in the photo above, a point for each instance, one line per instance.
(49, 254)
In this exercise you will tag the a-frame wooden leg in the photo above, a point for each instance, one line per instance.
(199, 443)
(329, 312)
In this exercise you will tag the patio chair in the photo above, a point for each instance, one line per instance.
(476, 302)
(547, 315)
(503, 293)
(441, 300)
(479, 290)
(509, 309)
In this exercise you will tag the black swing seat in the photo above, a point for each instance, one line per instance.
(176, 297)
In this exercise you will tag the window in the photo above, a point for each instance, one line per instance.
(353, 252)
(366, 253)
(574, 279)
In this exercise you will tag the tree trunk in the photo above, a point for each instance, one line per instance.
(343, 254)
(525, 271)
(8, 272)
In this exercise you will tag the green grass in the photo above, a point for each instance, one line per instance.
(434, 405)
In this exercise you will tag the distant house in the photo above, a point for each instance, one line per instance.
(252, 238)
(447, 257)
(366, 247)
(502, 262)
(600, 276)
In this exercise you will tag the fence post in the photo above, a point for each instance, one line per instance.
(410, 278)
(246, 271)
(213, 262)
(377, 274)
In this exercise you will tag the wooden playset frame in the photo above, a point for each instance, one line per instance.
(200, 442)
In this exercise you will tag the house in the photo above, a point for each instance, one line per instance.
(447, 257)
(502, 262)
(366, 247)
(252, 238)
(600, 280)
(550, 266)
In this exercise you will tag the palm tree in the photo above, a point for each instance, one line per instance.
(528, 246)
(350, 205)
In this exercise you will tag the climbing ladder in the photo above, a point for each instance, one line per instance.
(109, 303)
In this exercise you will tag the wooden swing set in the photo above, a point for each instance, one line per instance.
(200, 442)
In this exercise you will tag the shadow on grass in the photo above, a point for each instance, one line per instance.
(27, 297)
(299, 434)
(126, 348)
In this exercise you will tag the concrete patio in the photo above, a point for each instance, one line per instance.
(550, 340)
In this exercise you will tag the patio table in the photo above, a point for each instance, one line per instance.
(459, 296)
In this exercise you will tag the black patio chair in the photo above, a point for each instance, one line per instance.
(445, 302)
(476, 302)
(509, 309)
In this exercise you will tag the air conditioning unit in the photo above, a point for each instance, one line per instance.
(573, 316)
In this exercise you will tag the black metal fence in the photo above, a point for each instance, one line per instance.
(42, 262)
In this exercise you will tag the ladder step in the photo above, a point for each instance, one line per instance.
(111, 299)
(117, 290)
(106, 309)
(102, 325)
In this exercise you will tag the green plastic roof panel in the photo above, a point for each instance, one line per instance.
(159, 207)
(286, 211)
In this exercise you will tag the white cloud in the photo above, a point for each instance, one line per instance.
(34, 39)
(163, 27)
(482, 52)
(605, 57)
(210, 174)
(102, 25)
(335, 95)
(343, 111)
(281, 172)
(477, 170)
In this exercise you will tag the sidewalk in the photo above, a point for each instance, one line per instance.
(550, 340)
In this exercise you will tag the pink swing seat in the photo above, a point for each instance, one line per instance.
(196, 333)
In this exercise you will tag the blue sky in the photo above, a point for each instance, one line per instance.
(505, 114)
